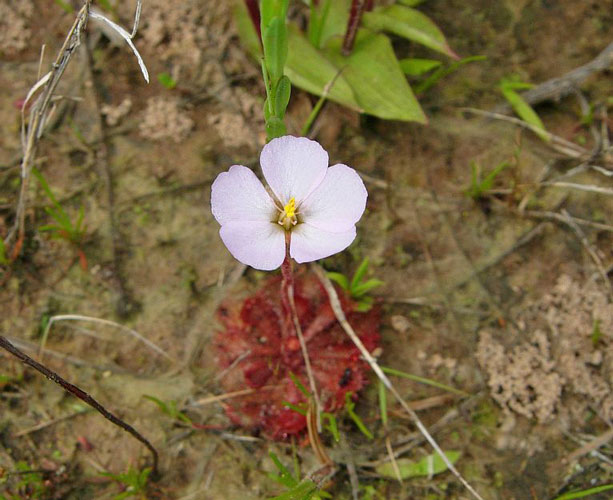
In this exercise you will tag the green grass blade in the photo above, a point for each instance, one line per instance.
(422, 380)
(572, 495)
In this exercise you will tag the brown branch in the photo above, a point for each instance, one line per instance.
(82, 395)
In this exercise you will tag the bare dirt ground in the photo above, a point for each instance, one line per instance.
(507, 297)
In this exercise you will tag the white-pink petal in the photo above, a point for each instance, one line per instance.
(293, 167)
(309, 243)
(238, 195)
(337, 203)
(260, 245)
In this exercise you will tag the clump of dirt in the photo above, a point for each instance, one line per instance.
(14, 25)
(114, 114)
(256, 350)
(177, 32)
(566, 355)
(164, 119)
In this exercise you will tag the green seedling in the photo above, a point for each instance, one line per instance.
(596, 333)
(170, 409)
(479, 186)
(357, 288)
(509, 88)
(134, 483)
(297, 489)
(167, 81)
(64, 227)
(349, 407)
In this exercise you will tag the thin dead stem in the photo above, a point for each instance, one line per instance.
(342, 319)
(82, 395)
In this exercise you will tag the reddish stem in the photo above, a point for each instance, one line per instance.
(254, 14)
(355, 14)
(368, 6)
(287, 292)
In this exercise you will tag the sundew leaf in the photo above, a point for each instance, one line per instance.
(427, 466)
(408, 23)
(378, 83)
(418, 67)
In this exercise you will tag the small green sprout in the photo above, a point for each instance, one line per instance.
(349, 406)
(134, 483)
(167, 81)
(479, 186)
(64, 227)
(170, 409)
(596, 333)
(357, 288)
(304, 489)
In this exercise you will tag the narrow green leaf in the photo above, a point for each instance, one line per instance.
(285, 478)
(422, 380)
(299, 385)
(383, 403)
(363, 288)
(522, 108)
(340, 279)
(275, 48)
(282, 95)
(572, 495)
(418, 67)
(443, 71)
(373, 72)
(359, 273)
(159, 403)
(332, 425)
(408, 23)
(349, 406)
(427, 466)
(295, 408)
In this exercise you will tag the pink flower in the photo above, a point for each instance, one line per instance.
(318, 206)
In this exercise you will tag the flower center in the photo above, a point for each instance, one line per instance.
(288, 218)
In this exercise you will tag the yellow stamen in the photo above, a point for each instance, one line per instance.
(290, 208)
(288, 218)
